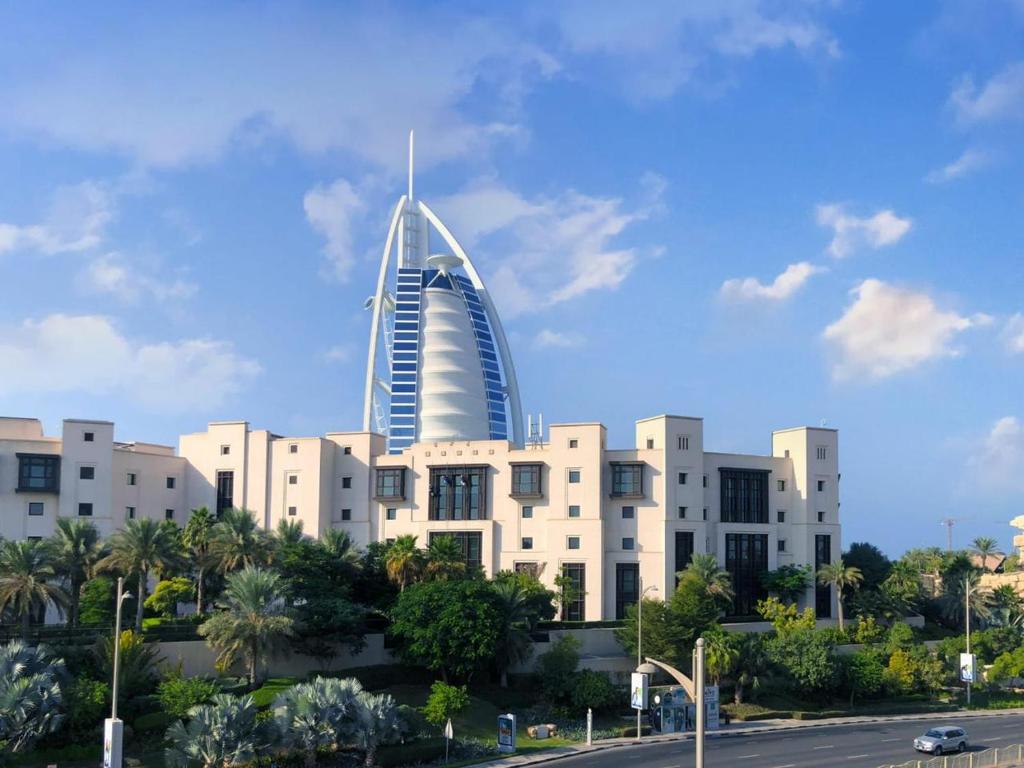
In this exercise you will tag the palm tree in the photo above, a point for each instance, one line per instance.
(318, 715)
(138, 663)
(142, 546)
(26, 581)
(839, 575)
(954, 598)
(253, 624)
(445, 559)
(377, 722)
(985, 547)
(237, 541)
(341, 547)
(196, 540)
(514, 644)
(222, 734)
(404, 561)
(288, 532)
(751, 665)
(1007, 606)
(721, 654)
(76, 550)
(30, 696)
(717, 583)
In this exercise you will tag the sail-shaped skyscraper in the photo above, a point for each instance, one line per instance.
(446, 372)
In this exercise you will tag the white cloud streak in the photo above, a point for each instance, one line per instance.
(76, 221)
(970, 161)
(1001, 98)
(547, 338)
(998, 461)
(1013, 334)
(851, 233)
(112, 274)
(330, 211)
(785, 285)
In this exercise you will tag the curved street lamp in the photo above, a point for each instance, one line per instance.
(640, 666)
(113, 730)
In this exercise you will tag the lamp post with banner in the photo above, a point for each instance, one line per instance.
(639, 682)
(113, 729)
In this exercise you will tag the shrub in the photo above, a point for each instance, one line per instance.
(445, 701)
(594, 690)
(153, 722)
(86, 701)
(168, 594)
(557, 669)
(1008, 665)
(179, 694)
(97, 603)
(410, 753)
(867, 631)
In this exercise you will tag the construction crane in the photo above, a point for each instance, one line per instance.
(949, 522)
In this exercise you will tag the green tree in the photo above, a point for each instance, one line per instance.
(954, 598)
(867, 631)
(237, 541)
(27, 579)
(593, 690)
(138, 662)
(317, 716)
(253, 625)
(556, 669)
(700, 598)
(865, 675)
(788, 583)
(377, 722)
(168, 593)
(869, 560)
(663, 636)
(141, 547)
(786, 619)
(30, 696)
(752, 664)
(288, 532)
(721, 654)
(445, 701)
(342, 550)
(514, 646)
(1008, 666)
(97, 603)
(840, 576)
(225, 733)
(444, 559)
(717, 582)
(76, 551)
(86, 702)
(985, 547)
(808, 658)
(903, 587)
(404, 561)
(196, 540)
(539, 600)
(448, 627)
(1007, 607)
(179, 695)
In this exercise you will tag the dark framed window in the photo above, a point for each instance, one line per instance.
(129, 513)
(684, 551)
(527, 512)
(781, 484)
(683, 477)
(628, 480)
(527, 542)
(526, 480)
(781, 545)
(35, 508)
(225, 491)
(628, 513)
(346, 482)
(628, 542)
(346, 514)
(458, 493)
(574, 607)
(85, 509)
(746, 560)
(650, 443)
(574, 475)
(704, 480)
(88, 436)
(347, 450)
(821, 517)
(225, 450)
(823, 592)
(574, 443)
(573, 542)
(574, 510)
(781, 514)
(390, 483)
(131, 479)
(170, 483)
(293, 511)
(293, 448)
(471, 543)
(821, 486)
(168, 514)
(744, 495)
(38, 473)
(682, 513)
(293, 479)
(87, 473)
(705, 513)
(391, 513)
(627, 587)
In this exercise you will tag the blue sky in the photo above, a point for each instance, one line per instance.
(764, 213)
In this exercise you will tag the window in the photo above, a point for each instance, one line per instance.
(170, 483)
(527, 542)
(682, 478)
(744, 495)
(85, 509)
(821, 486)
(682, 513)
(293, 479)
(347, 450)
(575, 592)
(526, 480)
(458, 493)
(574, 475)
(574, 443)
(781, 545)
(88, 436)
(346, 514)
(293, 448)
(704, 481)
(131, 479)
(346, 482)
(628, 480)
(87, 473)
(705, 513)
(574, 510)
(35, 508)
(225, 450)
(391, 513)
(38, 473)
(781, 514)
(786, 453)
(822, 452)
(684, 551)
(821, 516)
(650, 443)
(573, 542)
(683, 441)
(823, 592)
(627, 542)
(780, 484)
(627, 587)
(168, 514)
(293, 511)
(225, 491)
(628, 513)
(391, 483)
(530, 568)
(746, 560)
(129, 513)
(527, 512)
(471, 544)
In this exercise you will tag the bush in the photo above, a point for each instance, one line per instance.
(445, 701)
(821, 715)
(595, 690)
(179, 694)
(410, 753)
(86, 701)
(97, 602)
(168, 594)
(629, 731)
(154, 722)
(557, 669)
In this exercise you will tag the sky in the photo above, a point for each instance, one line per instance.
(767, 214)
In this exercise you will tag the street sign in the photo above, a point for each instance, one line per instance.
(449, 733)
(711, 707)
(968, 666)
(507, 733)
(638, 691)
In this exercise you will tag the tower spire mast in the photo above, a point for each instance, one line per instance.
(411, 145)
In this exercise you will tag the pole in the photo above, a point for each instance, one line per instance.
(590, 726)
(117, 646)
(967, 616)
(639, 640)
(698, 684)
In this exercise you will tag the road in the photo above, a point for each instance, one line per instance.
(864, 745)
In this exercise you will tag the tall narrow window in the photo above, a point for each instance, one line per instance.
(458, 493)
(746, 560)
(574, 601)
(682, 513)
(684, 550)
(684, 442)
(225, 491)
(168, 514)
(682, 478)
(822, 453)
(129, 513)
(821, 486)
(171, 482)
(627, 587)
(823, 592)
(131, 478)
(346, 482)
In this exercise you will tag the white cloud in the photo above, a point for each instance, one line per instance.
(1013, 334)
(559, 339)
(112, 274)
(76, 221)
(887, 330)
(339, 353)
(998, 461)
(87, 353)
(557, 248)
(853, 232)
(971, 160)
(785, 285)
(330, 211)
(1000, 98)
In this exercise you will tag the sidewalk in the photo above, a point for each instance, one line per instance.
(735, 729)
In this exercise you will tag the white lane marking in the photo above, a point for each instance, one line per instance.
(1010, 726)
(996, 738)
(747, 757)
(787, 765)
(857, 757)
(896, 739)
(827, 746)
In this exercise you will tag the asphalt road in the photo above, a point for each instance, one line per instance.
(865, 745)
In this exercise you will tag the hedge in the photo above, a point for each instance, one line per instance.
(412, 752)
(768, 714)
(822, 715)
(154, 721)
(629, 731)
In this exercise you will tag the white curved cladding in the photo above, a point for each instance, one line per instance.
(453, 403)
(511, 382)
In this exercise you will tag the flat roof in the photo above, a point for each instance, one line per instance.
(670, 416)
(89, 421)
(797, 429)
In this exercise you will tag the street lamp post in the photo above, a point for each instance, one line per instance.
(113, 729)
(967, 617)
(698, 686)
(640, 637)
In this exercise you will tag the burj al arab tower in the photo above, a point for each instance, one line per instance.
(446, 373)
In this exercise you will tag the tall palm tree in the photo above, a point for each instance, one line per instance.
(30, 696)
(954, 598)
(28, 581)
(288, 532)
(318, 715)
(717, 582)
(404, 561)
(196, 540)
(445, 559)
(985, 547)
(840, 576)
(254, 624)
(721, 654)
(752, 664)
(237, 541)
(225, 733)
(142, 546)
(76, 549)
(514, 644)
(341, 547)
(377, 722)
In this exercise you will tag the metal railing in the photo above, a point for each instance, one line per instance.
(997, 757)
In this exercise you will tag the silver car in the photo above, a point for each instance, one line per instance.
(943, 739)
